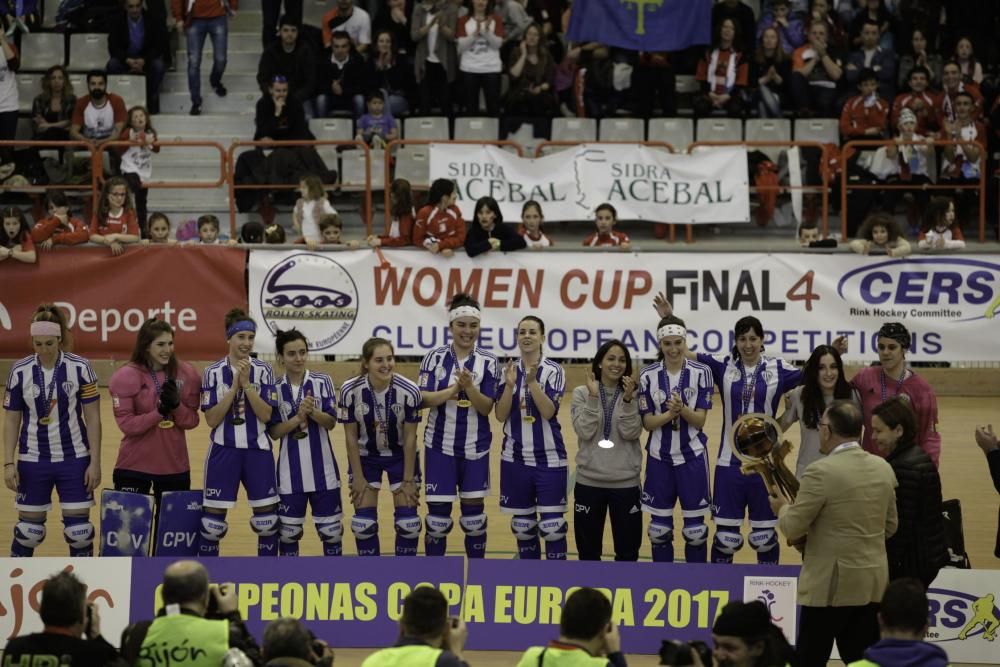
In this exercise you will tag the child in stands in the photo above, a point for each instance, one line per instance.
(605, 217)
(531, 226)
(114, 224)
(440, 227)
(59, 228)
(941, 231)
(137, 160)
(16, 240)
(401, 220)
(159, 230)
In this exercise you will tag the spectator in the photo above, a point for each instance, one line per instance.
(922, 102)
(531, 226)
(743, 21)
(354, 21)
(919, 56)
(288, 643)
(185, 623)
(377, 127)
(435, 60)
(9, 99)
(20, 15)
(310, 208)
(52, 110)
(98, 115)
(808, 234)
(654, 76)
(972, 69)
(198, 18)
(820, 12)
(480, 35)
(208, 230)
(723, 75)
(401, 218)
(605, 217)
(872, 56)
(920, 547)
(516, 20)
(880, 234)
(874, 11)
(114, 223)
(270, 23)
(16, 239)
(902, 621)
(866, 115)
(941, 229)
(331, 231)
(137, 44)
(586, 635)
(960, 163)
(600, 96)
(59, 228)
(987, 441)
(788, 26)
(159, 234)
(815, 73)
(274, 234)
(341, 77)
(952, 85)
(386, 70)
(252, 232)
(72, 630)
(531, 71)
(744, 636)
(845, 509)
(394, 17)
(771, 70)
(904, 162)
(292, 58)
(489, 232)
(428, 635)
(137, 160)
(439, 226)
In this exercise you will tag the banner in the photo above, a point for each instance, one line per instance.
(709, 186)
(964, 618)
(107, 298)
(642, 25)
(585, 298)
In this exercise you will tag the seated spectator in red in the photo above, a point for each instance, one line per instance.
(874, 11)
(770, 71)
(723, 74)
(114, 223)
(923, 102)
(440, 227)
(820, 12)
(790, 29)
(743, 19)
(16, 242)
(387, 70)
(605, 217)
(341, 77)
(435, 61)
(919, 56)
(401, 217)
(531, 71)
(866, 115)
(377, 127)
(874, 57)
(137, 44)
(292, 57)
(479, 37)
(815, 73)
(531, 226)
(59, 228)
(952, 84)
(489, 232)
(98, 115)
(346, 17)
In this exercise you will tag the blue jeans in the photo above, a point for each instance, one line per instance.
(218, 29)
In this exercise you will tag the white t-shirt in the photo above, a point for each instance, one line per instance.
(358, 26)
(311, 212)
(480, 53)
(9, 100)
(432, 38)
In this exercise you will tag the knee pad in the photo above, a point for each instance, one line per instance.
(408, 527)
(29, 534)
(265, 525)
(473, 525)
(331, 532)
(213, 528)
(728, 542)
(438, 527)
(695, 535)
(364, 527)
(524, 527)
(552, 528)
(659, 533)
(79, 535)
(762, 539)
(290, 532)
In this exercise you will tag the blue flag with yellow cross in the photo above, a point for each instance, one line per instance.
(642, 25)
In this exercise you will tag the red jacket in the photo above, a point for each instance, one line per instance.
(856, 118)
(201, 9)
(446, 226)
(924, 106)
(74, 233)
(405, 236)
(613, 238)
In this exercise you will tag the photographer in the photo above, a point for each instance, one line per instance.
(744, 637)
(587, 637)
(427, 635)
(288, 643)
(68, 617)
(198, 621)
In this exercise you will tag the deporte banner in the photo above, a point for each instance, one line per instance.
(340, 299)
(710, 186)
(106, 298)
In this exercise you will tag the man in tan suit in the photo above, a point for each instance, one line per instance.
(844, 511)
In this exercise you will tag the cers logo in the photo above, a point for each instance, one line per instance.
(956, 615)
(312, 293)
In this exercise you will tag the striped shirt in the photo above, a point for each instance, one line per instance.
(527, 438)
(695, 386)
(745, 391)
(58, 394)
(252, 433)
(452, 429)
(306, 464)
(396, 405)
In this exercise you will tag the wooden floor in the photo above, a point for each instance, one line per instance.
(963, 472)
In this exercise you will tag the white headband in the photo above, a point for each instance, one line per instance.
(671, 330)
(464, 311)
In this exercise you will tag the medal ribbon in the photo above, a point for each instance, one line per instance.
(529, 402)
(299, 396)
(381, 422)
(749, 384)
(51, 390)
(608, 408)
(681, 383)
(469, 363)
(899, 382)
(238, 401)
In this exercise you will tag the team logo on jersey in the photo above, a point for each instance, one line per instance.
(397, 409)
(68, 387)
(768, 376)
(313, 293)
(365, 408)
(689, 394)
(32, 391)
(660, 396)
(285, 408)
(733, 375)
(440, 372)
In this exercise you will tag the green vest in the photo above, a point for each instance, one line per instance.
(560, 657)
(183, 640)
(413, 655)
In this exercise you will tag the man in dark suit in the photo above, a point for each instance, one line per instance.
(137, 44)
(845, 509)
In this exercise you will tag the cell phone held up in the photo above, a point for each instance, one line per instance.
(677, 653)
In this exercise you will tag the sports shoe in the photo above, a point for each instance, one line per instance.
(195, 109)
(220, 90)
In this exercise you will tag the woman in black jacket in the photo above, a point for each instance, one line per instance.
(919, 547)
(487, 230)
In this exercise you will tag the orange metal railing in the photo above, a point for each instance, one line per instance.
(223, 159)
(76, 146)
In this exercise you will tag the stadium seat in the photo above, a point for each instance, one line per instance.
(823, 130)
(769, 129)
(87, 51)
(574, 129)
(414, 164)
(42, 50)
(28, 85)
(332, 129)
(25, 129)
(685, 87)
(622, 129)
(313, 11)
(131, 88)
(678, 132)
(486, 129)
(434, 128)
(720, 129)
(352, 170)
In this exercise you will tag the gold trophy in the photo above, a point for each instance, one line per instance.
(759, 445)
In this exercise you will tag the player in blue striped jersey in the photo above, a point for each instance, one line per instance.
(53, 425)
(675, 395)
(380, 410)
(307, 469)
(238, 398)
(458, 382)
(533, 458)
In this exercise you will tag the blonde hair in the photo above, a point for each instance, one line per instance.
(49, 312)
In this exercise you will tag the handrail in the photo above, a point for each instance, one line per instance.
(689, 229)
(223, 172)
(58, 145)
(401, 142)
(233, 187)
(574, 142)
(924, 186)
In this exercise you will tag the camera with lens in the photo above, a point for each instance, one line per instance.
(677, 653)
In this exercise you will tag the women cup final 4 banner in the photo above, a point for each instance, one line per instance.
(339, 299)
